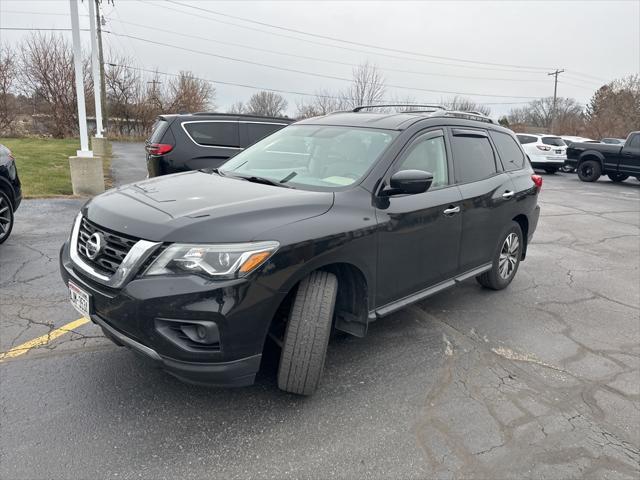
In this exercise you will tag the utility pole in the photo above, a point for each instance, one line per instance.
(555, 95)
(103, 89)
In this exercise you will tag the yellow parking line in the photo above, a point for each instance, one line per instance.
(36, 342)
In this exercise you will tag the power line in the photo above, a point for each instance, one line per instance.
(298, 39)
(317, 59)
(276, 90)
(350, 42)
(313, 74)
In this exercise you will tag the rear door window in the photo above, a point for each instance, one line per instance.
(509, 151)
(258, 131)
(213, 134)
(473, 156)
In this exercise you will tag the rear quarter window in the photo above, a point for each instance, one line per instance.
(508, 150)
(213, 134)
(158, 129)
(553, 141)
(526, 139)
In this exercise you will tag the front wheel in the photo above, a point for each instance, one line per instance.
(307, 335)
(6, 216)
(589, 171)
(617, 177)
(506, 260)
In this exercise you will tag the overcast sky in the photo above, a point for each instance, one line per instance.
(425, 42)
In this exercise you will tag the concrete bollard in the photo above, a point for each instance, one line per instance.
(87, 177)
(99, 146)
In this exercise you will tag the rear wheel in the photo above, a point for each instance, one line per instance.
(6, 216)
(589, 171)
(617, 177)
(506, 260)
(551, 170)
(307, 334)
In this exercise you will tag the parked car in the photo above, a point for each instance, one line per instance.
(10, 192)
(203, 140)
(618, 162)
(613, 141)
(546, 152)
(332, 222)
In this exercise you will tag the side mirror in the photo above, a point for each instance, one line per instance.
(408, 182)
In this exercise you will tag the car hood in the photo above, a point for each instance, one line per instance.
(198, 207)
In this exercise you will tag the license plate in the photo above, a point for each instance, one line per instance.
(558, 151)
(80, 300)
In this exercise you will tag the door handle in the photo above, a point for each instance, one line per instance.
(508, 194)
(451, 211)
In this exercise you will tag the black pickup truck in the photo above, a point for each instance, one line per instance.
(618, 162)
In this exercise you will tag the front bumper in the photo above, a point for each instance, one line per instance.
(136, 315)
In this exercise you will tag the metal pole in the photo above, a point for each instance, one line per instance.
(103, 88)
(77, 63)
(97, 96)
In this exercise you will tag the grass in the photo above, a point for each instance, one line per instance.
(43, 164)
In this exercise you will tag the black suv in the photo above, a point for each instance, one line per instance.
(10, 192)
(179, 143)
(333, 222)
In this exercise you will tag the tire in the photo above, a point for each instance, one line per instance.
(589, 171)
(6, 217)
(617, 177)
(307, 334)
(551, 170)
(495, 279)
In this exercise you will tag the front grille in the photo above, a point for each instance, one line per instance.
(112, 254)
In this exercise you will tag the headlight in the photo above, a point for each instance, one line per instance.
(213, 261)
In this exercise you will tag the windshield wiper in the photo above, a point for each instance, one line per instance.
(263, 180)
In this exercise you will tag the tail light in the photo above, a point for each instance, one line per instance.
(159, 148)
(537, 180)
(544, 148)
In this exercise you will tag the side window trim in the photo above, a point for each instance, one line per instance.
(182, 124)
(426, 134)
(467, 132)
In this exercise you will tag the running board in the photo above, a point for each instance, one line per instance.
(427, 292)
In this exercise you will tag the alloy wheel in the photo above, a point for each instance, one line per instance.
(509, 256)
(6, 217)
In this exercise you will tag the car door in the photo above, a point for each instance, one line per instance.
(488, 195)
(630, 156)
(418, 235)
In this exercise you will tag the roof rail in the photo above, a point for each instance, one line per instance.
(477, 116)
(236, 115)
(367, 107)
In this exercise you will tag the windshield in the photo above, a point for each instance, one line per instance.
(554, 141)
(312, 156)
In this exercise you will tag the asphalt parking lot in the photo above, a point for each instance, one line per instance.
(541, 380)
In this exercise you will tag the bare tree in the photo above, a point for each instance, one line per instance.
(539, 113)
(238, 108)
(125, 96)
(8, 74)
(466, 105)
(187, 93)
(614, 109)
(265, 103)
(47, 73)
(323, 103)
(368, 87)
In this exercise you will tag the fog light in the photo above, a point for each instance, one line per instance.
(202, 332)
